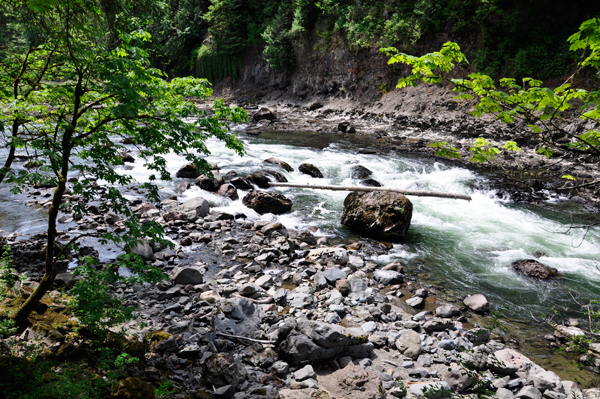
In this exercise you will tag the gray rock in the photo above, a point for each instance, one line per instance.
(415, 302)
(319, 280)
(592, 393)
(457, 378)
(409, 344)
(447, 311)
(477, 303)
(503, 393)
(339, 256)
(185, 275)
(447, 344)
(197, 204)
(478, 335)
(360, 172)
(529, 392)
(305, 373)
(279, 162)
(224, 392)
(333, 275)
(238, 316)
(264, 281)
(387, 277)
(280, 368)
(437, 324)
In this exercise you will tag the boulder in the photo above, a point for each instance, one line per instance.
(267, 202)
(447, 311)
(533, 268)
(457, 378)
(409, 344)
(387, 277)
(315, 105)
(315, 340)
(430, 390)
(223, 369)
(262, 177)
(228, 191)
(415, 302)
(311, 170)
(264, 114)
(238, 316)
(198, 204)
(333, 275)
(241, 183)
(188, 171)
(477, 303)
(339, 256)
(279, 162)
(508, 361)
(210, 184)
(185, 275)
(380, 215)
(360, 172)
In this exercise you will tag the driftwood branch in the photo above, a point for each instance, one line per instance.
(360, 188)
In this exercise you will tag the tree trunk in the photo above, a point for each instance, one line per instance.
(361, 188)
(49, 268)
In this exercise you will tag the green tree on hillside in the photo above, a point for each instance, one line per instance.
(542, 109)
(67, 95)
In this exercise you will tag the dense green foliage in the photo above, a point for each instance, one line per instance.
(69, 89)
(508, 37)
(541, 108)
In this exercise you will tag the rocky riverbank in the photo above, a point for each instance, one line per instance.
(253, 310)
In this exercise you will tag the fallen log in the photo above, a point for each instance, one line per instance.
(361, 188)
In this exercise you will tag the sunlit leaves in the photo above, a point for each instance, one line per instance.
(445, 150)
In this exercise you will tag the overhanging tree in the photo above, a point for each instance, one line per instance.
(542, 109)
(69, 95)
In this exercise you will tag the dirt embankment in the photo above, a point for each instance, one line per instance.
(335, 85)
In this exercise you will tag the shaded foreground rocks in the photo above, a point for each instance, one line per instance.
(267, 202)
(535, 269)
(255, 310)
(380, 215)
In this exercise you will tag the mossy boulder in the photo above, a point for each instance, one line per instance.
(380, 215)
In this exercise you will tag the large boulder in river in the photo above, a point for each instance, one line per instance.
(533, 268)
(265, 202)
(188, 171)
(360, 172)
(229, 191)
(380, 215)
(311, 170)
(262, 177)
(210, 184)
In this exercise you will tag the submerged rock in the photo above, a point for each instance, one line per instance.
(380, 215)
